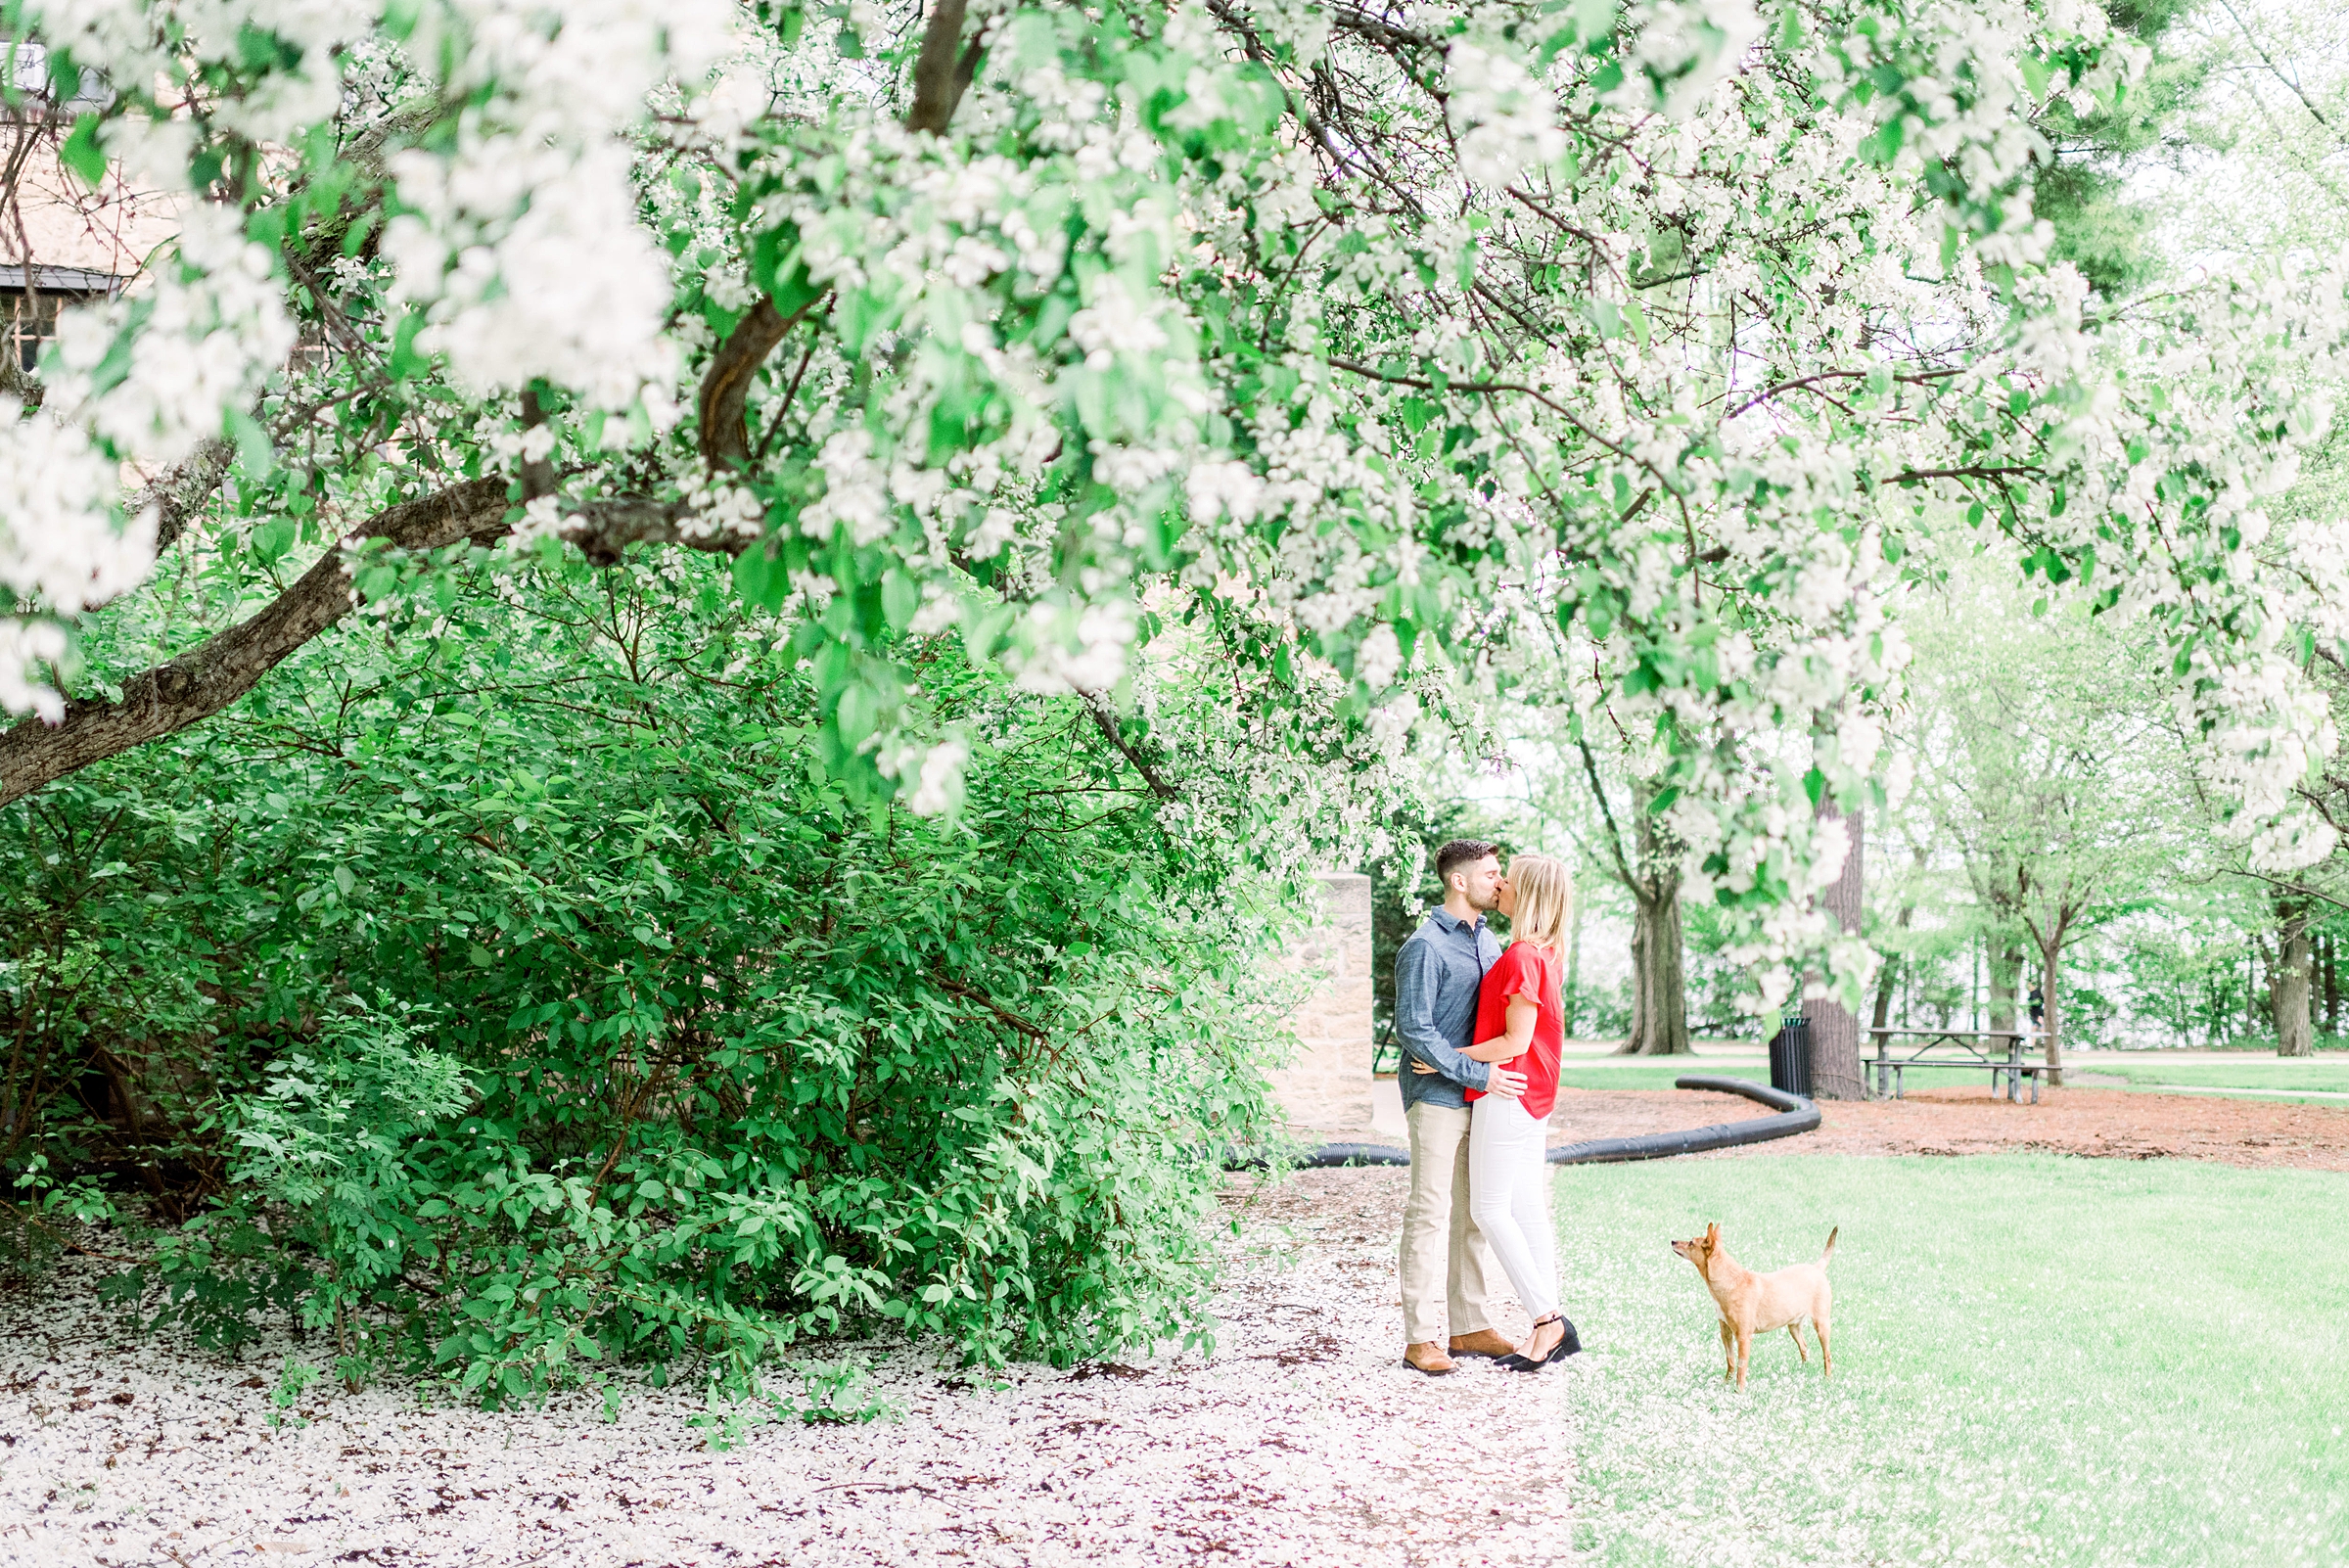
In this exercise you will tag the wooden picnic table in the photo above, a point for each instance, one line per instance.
(1999, 1050)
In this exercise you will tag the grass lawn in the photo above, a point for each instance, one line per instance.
(2273, 1073)
(2039, 1360)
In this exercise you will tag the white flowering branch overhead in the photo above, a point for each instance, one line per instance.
(1405, 359)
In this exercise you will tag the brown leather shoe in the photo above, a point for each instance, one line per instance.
(1426, 1356)
(1484, 1342)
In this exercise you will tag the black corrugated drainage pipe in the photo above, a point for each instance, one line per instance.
(1796, 1115)
(1359, 1154)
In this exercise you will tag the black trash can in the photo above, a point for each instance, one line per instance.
(1791, 1056)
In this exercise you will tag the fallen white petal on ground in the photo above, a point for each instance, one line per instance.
(1303, 1441)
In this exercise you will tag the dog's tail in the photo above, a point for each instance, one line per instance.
(1828, 1251)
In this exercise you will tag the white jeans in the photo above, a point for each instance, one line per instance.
(1509, 1198)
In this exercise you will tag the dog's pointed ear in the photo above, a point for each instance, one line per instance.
(1712, 1234)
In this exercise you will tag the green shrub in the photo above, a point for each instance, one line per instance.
(542, 1000)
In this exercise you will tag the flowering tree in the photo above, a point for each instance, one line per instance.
(1399, 360)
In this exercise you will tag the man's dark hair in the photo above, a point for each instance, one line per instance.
(1459, 853)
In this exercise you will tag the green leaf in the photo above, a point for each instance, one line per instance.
(1638, 319)
(859, 713)
(901, 597)
(761, 576)
(407, 363)
(254, 453)
(81, 153)
(272, 539)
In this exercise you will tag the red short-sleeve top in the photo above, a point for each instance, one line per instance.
(1525, 970)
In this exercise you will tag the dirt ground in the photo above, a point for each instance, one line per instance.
(2108, 1123)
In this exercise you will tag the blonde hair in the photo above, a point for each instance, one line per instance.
(1544, 900)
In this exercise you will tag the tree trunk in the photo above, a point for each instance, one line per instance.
(1574, 968)
(1658, 985)
(1835, 1069)
(1895, 973)
(2288, 985)
(2333, 987)
(2006, 978)
(1886, 981)
(2251, 985)
(2049, 953)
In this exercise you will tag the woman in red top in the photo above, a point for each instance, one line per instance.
(1521, 1022)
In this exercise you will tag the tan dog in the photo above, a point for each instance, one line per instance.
(1759, 1304)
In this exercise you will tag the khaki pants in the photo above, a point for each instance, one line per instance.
(1444, 1258)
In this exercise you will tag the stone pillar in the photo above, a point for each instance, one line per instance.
(1326, 1084)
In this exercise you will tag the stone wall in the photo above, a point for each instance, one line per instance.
(1326, 1086)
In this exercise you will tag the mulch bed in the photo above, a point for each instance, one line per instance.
(1303, 1443)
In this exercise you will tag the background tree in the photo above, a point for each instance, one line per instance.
(1403, 887)
(2290, 964)
(2103, 226)
(2267, 165)
(2274, 120)
(2045, 763)
(1583, 782)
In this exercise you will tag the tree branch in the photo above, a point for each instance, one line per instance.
(942, 74)
(207, 679)
(1989, 471)
(2277, 71)
(1106, 718)
(182, 488)
(602, 531)
(939, 78)
(1599, 793)
(1010, 1020)
(727, 385)
(215, 673)
(1379, 31)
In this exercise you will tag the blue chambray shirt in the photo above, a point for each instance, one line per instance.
(1437, 975)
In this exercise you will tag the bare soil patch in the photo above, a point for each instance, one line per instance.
(1584, 1114)
(2100, 1123)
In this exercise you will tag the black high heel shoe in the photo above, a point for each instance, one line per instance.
(1569, 1343)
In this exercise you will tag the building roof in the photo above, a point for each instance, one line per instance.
(55, 280)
